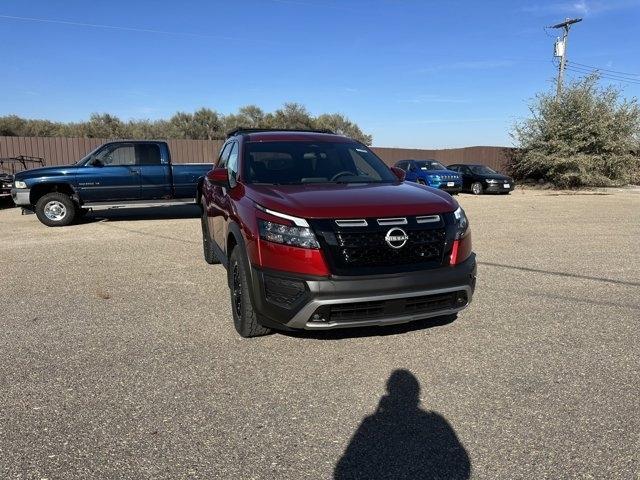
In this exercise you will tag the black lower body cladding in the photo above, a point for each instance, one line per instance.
(292, 302)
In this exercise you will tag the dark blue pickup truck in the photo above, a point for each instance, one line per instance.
(115, 175)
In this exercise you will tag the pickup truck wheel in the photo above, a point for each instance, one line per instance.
(421, 181)
(56, 209)
(476, 188)
(244, 316)
(207, 243)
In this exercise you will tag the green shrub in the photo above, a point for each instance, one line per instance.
(586, 136)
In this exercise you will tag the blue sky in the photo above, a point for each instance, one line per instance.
(414, 73)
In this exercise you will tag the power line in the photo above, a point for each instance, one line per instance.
(606, 70)
(584, 71)
(116, 27)
(604, 75)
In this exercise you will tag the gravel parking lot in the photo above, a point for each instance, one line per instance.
(119, 358)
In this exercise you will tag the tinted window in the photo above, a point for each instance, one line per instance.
(232, 164)
(148, 154)
(429, 165)
(482, 170)
(116, 155)
(313, 162)
(224, 155)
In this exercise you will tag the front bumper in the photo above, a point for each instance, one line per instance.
(293, 302)
(455, 189)
(498, 188)
(21, 196)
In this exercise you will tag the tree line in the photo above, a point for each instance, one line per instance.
(203, 124)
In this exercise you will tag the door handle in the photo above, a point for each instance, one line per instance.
(134, 172)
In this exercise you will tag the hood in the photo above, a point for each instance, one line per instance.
(58, 170)
(352, 200)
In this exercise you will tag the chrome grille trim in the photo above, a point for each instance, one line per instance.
(358, 222)
(428, 219)
(392, 221)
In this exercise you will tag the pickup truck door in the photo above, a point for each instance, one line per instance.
(112, 174)
(155, 171)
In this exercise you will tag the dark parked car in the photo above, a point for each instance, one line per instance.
(316, 232)
(479, 179)
(115, 175)
(431, 173)
(6, 182)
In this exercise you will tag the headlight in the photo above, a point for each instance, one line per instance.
(287, 235)
(462, 223)
(19, 184)
(435, 178)
(492, 180)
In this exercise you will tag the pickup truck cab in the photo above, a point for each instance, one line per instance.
(117, 174)
(316, 232)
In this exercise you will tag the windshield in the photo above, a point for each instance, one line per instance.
(295, 163)
(482, 170)
(429, 165)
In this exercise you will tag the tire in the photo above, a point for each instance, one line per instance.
(207, 243)
(56, 209)
(244, 316)
(476, 188)
(421, 182)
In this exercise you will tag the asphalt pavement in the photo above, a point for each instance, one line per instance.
(118, 358)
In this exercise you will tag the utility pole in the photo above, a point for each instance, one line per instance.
(561, 48)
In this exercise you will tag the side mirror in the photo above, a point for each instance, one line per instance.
(398, 172)
(219, 176)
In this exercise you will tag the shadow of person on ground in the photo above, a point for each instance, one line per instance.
(400, 440)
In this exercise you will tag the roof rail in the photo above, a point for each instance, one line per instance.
(241, 130)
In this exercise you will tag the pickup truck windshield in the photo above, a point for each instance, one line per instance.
(295, 163)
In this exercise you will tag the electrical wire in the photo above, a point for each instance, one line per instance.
(602, 74)
(583, 71)
(637, 75)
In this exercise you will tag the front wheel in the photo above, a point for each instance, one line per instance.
(421, 182)
(476, 188)
(244, 316)
(55, 209)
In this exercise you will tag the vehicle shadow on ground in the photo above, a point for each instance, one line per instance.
(133, 214)
(401, 440)
(375, 331)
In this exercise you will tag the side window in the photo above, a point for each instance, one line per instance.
(402, 166)
(466, 170)
(224, 155)
(232, 165)
(148, 154)
(119, 155)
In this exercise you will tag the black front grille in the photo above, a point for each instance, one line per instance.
(424, 304)
(370, 249)
(364, 249)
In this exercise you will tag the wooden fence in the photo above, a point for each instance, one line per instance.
(64, 151)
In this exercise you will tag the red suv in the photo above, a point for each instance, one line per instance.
(316, 232)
